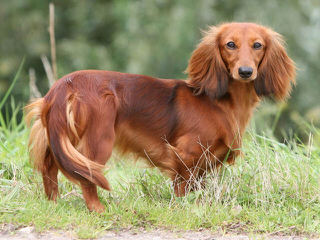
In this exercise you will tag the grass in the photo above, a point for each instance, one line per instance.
(273, 188)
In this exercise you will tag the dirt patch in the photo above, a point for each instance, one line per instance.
(10, 232)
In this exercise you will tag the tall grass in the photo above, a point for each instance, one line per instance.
(274, 187)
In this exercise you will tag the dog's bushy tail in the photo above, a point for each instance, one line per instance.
(51, 131)
(38, 140)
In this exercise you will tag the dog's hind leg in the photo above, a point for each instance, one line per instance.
(100, 153)
(50, 177)
(96, 144)
(90, 195)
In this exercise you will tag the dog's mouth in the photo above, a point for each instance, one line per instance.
(243, 79)
(246, 79)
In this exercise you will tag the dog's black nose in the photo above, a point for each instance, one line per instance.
(245, 72)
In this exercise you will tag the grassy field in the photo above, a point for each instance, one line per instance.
(274, 187)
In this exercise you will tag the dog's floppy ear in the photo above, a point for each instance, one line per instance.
(207, 71)
(276, 71)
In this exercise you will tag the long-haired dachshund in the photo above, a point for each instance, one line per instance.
(171, 123)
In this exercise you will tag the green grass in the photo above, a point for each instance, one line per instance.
(273, 187)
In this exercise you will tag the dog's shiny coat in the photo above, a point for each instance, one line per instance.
(178, 126)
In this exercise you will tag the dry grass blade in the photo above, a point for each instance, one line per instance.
(52, 42)
(48, 69)
(34, 92)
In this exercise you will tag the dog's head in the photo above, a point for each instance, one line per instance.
(243, 52)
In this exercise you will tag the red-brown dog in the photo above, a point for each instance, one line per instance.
(169, 122)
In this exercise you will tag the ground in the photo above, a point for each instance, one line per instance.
(10, 232)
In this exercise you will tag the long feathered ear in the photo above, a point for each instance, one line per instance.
(276, 71)
(206, 69)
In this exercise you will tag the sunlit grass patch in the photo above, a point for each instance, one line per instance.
(273, 187)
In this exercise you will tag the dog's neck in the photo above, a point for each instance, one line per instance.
(241, 102)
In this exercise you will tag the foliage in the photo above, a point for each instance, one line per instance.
(156, 38)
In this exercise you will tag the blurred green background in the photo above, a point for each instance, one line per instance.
(157, 37)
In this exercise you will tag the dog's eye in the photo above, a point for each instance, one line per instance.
(231, 45)
(257, 45)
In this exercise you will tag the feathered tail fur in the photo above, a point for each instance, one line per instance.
(49, 122)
